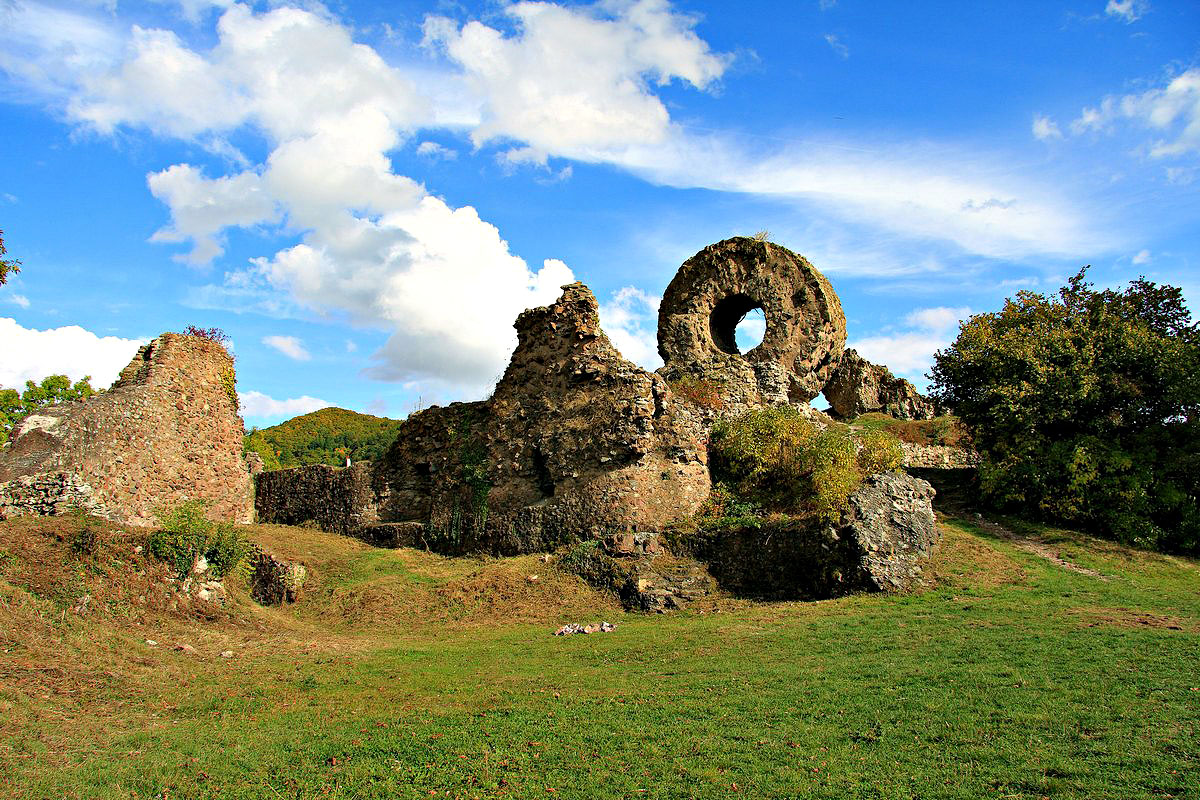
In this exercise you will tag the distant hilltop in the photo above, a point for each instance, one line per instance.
(328, 436)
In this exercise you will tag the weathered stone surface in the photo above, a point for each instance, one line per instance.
(166, 431)
(936, 456)
(880, 544)
(716, 288)
(859, 387)
(274, 581)
(335, 499)
(891, 520)
(48, 494)
(575, 443)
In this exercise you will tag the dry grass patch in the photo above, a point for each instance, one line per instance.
(1132, 618)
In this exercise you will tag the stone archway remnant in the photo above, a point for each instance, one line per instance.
(715, 289)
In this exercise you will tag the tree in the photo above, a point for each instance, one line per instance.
(1086, 408)
(9, 265)
(53, 390)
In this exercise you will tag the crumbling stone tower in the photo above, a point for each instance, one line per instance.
(166, 431)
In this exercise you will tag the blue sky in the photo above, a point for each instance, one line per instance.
(364, 195)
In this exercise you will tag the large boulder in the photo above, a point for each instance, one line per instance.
(858, 387)
(716, 288)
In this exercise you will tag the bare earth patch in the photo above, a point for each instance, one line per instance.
(1132, 618)
(1034, 546)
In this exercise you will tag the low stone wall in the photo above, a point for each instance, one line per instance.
(936, 456)
(335, 499)
(48, 494)
(273, 581)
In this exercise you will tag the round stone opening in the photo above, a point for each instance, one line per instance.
(730, 316)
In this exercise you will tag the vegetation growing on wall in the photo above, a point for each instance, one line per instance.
(1085, 407)
(776, 459)
(327, 436)
(945, 431)
(52, 390)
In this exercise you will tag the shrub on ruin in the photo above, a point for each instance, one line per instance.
(1085, 408)
(209, 334)
(187, 534)
(778, 459)
(701, 392)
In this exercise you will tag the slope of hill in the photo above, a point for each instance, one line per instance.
(1038, 663)
(327, 436)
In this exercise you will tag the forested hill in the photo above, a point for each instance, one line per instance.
(327, 436)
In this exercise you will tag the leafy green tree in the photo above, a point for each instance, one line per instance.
(7, 265)
(1086, 408)
(52, 390)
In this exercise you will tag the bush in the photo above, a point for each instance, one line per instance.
(1086, 409)
(778, 459)
(187, 534)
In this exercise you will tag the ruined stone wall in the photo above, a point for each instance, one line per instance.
(859, 387)
(332, 498)
(167, 430)
(575, 442)
(716, 288)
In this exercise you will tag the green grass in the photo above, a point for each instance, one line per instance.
(1012, 677)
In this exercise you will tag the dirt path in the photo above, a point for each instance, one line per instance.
(1031, 545)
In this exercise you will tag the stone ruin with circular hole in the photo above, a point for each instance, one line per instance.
(577, 444)
(716, 288)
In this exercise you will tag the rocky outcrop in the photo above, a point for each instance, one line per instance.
(891, 521)
(166, 431)
(859, 387)
(880, 544)
(716, 288)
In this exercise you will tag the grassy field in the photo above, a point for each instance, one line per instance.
(403, 674)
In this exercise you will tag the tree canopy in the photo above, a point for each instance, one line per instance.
(1086, 408)
(7, 265)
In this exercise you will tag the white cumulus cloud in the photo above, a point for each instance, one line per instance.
(1045, 128)
(290, 346)
(576, 81)
(264, 407)
(910, 352)
(1172, 111)
(1127, 10)
(31, 354)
